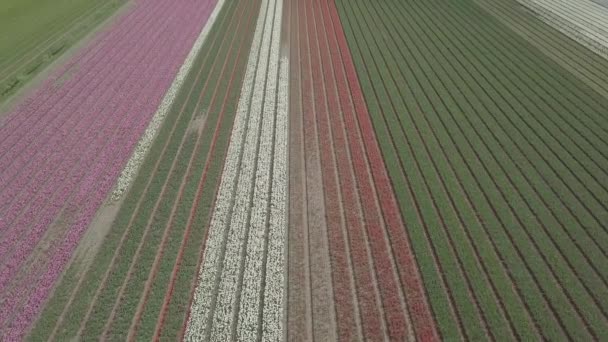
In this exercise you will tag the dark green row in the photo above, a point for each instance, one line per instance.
(497, 156)
(215, 52)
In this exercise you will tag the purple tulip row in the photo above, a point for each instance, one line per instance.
(62, 151)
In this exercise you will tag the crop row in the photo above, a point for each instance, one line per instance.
(157, 229)
(230, 291)
(145, 142)
(310, 293)
(492, 181)
(376, 290)
(64, 171)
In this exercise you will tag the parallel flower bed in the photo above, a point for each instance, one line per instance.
(63, 149)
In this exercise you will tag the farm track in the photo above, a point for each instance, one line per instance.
(374, 286)
(156, 219)
(240, 285)
(517, 183)
(55, 175)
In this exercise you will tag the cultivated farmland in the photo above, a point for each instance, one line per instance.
(305, 170)
(72, 138)
(34, 33)
(346, 231)
(147, 264)
(498, 159)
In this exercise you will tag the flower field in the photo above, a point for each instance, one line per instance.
(71, 139)
(248, 218)
(497, 156)
(330, 170)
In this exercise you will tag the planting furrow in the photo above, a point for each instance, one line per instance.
(454, 203)
(77, 226)
(201, 303)
(131, 222)
(45, 140)
(459, 100)
(327, 234)
(107, 161)
(112, 114)
(54, 97)
(369, 256)
(596, 198)
(272, 325)
(567, 227)
(127, 312)
(80, 157)
(169, 214)
(457, 264)
(144, 144)
(239, 271)
(351, 97)
(94, 150)
(334, 160)
(553, 213)
(299, 320)
(421, 130)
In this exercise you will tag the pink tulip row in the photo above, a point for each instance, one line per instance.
(62, 151)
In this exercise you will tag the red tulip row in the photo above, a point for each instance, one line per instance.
(377, 291)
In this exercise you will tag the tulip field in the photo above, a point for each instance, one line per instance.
(298, 170)
(497, 155)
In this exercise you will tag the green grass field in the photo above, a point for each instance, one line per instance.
(36, 32)
(499, 158)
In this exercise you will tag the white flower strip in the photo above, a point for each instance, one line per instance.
(204, 296)
(250, 300)
(274, 303)
(145, 142)
(582, 20)
(229, 289)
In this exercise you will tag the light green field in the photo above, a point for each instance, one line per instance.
(33, 33)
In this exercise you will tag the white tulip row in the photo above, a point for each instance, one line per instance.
(250, 297)
(274, 295)
(145, 142)
(582, 20)
(229, 290)
(202, 302)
